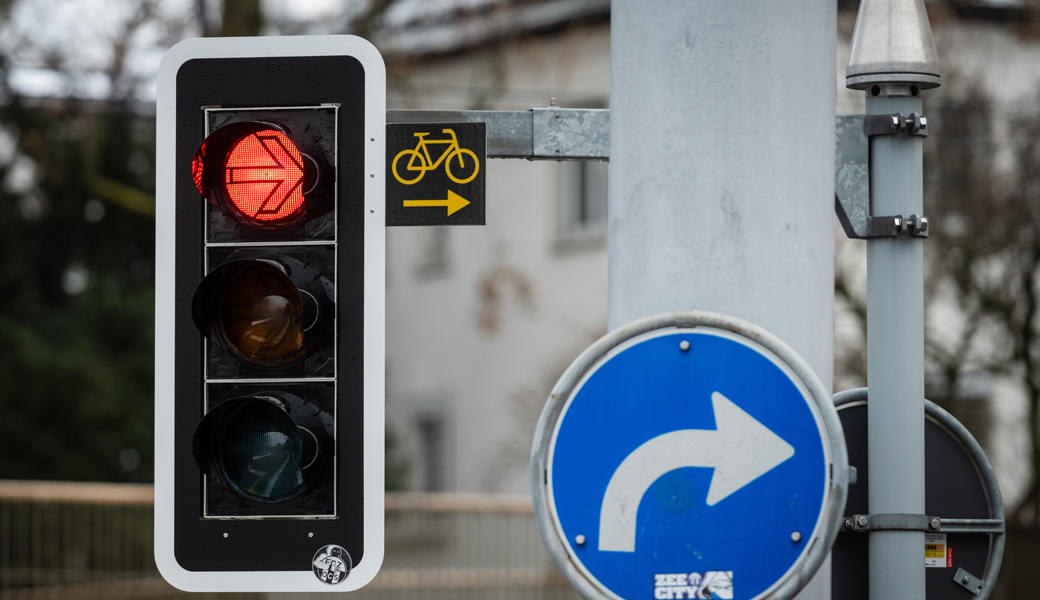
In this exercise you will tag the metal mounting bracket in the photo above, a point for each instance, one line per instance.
(570, 133)
(910, 522)
(852, 176)
(913, 124)
(897, 225)
(555, 133)
(550, 133)
(968, 581)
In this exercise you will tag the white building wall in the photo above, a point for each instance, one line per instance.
(477, 339)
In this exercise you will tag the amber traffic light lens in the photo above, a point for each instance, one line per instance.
(261, 316)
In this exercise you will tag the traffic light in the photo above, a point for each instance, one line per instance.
(270, 246)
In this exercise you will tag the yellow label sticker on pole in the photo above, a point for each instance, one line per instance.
(935, 550)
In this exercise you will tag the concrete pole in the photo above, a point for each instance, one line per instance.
(722, 168)
(893, 59)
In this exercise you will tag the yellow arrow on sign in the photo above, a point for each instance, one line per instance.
(454, 203)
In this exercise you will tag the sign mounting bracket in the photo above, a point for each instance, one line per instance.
(550, 133)
(908, 522)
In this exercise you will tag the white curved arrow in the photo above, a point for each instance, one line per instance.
(740, 449)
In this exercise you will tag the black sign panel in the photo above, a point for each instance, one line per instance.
(953, 490)
(435, 173)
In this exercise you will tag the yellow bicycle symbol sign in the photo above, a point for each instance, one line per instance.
(420, 161)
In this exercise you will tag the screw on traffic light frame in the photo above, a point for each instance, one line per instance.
(270, 311)
(257, 174)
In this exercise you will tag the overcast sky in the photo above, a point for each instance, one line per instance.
(76, 35)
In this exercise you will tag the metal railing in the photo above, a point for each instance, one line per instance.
(80, 540)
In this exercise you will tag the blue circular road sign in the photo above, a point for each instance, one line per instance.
(689, 455)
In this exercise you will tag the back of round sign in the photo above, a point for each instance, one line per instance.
(959, 484)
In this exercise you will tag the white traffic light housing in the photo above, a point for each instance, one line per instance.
(270, 314)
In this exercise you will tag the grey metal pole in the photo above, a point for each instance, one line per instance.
(893, 58)
(722, 168)
(895, 359)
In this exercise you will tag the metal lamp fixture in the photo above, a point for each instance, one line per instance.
(892, 43)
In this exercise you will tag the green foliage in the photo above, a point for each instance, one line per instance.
(76, 294)
(77, 238)
(396, 467)
(241, 17)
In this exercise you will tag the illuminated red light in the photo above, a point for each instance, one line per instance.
(263, 177)
(197, 165)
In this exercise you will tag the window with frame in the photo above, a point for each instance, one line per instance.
(584, 189)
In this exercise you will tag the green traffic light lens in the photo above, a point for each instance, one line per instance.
(260, 453)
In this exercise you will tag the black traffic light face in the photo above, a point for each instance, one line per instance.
(270, 321)
(267, 308)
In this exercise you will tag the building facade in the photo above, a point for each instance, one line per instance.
(482, 320)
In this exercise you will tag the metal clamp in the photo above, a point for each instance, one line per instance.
(913, 124)
(968, 581)
(896, 225)
(889, 522)
(852, 176)
(917, 226)
(885, 226)
(909, 522)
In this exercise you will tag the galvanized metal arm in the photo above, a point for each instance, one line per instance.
(907, 522)
(550, 133)
(555, 133)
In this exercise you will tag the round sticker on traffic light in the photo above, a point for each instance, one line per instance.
(331, 564)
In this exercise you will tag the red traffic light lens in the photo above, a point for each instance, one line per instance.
(263, 175)
(253, 172)
(197, 165)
